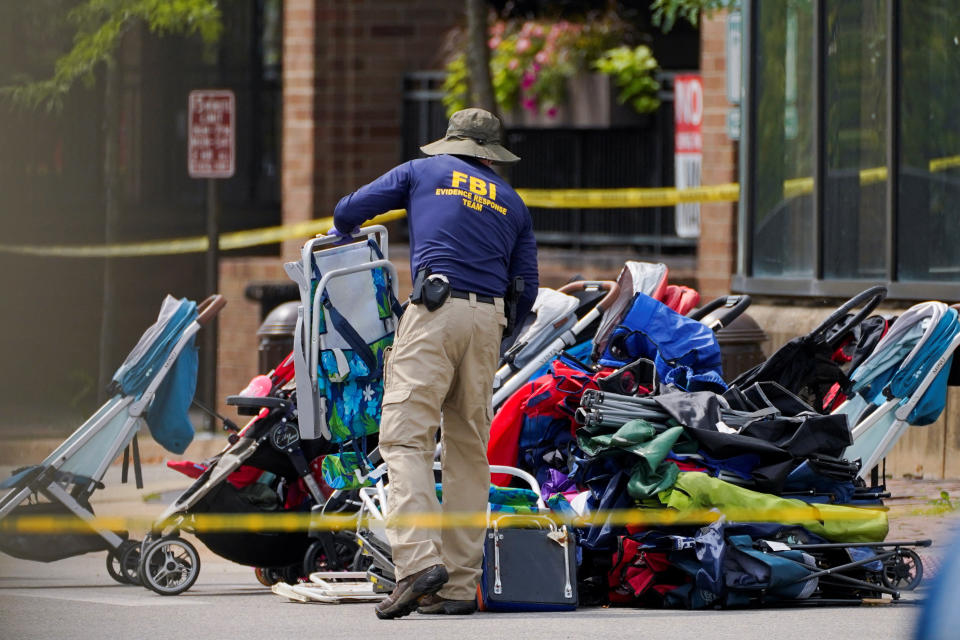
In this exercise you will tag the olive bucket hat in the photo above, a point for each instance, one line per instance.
(472, 132)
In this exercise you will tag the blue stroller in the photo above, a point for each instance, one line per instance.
(154, 386)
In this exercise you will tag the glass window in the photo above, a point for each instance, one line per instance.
(855, 189)
(929, 219)
(783, 141)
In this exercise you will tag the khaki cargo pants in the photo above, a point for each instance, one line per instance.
(442, 361)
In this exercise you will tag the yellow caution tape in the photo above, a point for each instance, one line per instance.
(227, 241)
(627, 198)
(536, 198)
(298, 521)
(942, 164)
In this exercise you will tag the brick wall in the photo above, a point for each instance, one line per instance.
(363, 49)
(299, 114)
(716, 248)
(238, 324)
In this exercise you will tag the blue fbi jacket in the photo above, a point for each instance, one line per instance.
(465, 223)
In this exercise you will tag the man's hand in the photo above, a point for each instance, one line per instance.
(342, 238)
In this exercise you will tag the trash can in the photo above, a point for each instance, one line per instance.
(276, 336)
(740, 346)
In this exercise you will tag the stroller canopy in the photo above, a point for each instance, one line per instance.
(138, 370)
(167, 413)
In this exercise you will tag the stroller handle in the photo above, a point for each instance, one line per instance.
(611, 287)
(210, 308)
(837, 322)
(733, 305)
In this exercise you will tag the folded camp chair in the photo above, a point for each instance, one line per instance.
(347, 319)
(155, 385)
(902, 383)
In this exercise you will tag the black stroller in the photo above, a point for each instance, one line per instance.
(328, 422)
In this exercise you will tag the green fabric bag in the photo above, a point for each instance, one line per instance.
(694, 491)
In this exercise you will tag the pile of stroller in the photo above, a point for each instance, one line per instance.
(697, 492)
(610, 402)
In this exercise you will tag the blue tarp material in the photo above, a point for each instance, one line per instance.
(674, 342)
(167, 415)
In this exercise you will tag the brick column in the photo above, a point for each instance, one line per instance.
(300, 21)
(717, 246)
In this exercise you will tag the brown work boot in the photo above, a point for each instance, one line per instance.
(438, 604)
(403, 600)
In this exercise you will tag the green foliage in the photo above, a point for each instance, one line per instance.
(633, 71)
(944, 503)
(99, 28)
(456, 86)
(666, 12)
(941, 505)
(531, 62)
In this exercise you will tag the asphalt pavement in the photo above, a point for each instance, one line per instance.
(75, 598)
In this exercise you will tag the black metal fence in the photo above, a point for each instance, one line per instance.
(640, 155)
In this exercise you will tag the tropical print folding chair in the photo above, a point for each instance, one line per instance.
(348, 315)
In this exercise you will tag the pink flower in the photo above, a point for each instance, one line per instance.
(541, 57)
(513, 64)
(497, 28)
(528, 80)
(494, 42)
(552, 112)
(530, 104)
(537, 31)
(523, 44)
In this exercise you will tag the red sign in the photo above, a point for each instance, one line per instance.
(688, 148)
(211, 118)
(688, 113)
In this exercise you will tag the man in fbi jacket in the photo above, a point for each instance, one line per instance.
(470, 239)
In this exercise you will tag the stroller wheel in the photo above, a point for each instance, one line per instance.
(291, 574)
(268, 577)
(122, 562)
(169, 566)
(261, 578)
(903, 571)
(332, 552)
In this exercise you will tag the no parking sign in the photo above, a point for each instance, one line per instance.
(688, 148)
(211, 134)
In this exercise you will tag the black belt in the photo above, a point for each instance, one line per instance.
(456, 293)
